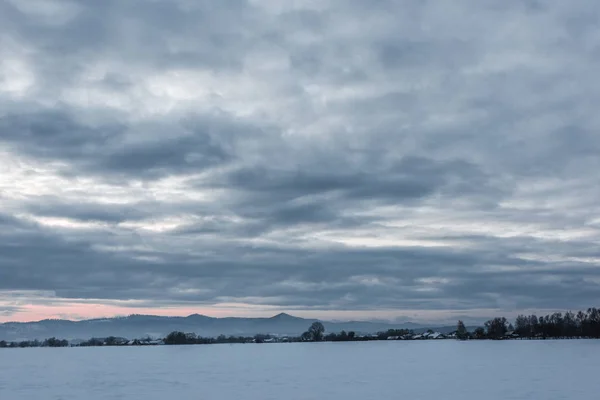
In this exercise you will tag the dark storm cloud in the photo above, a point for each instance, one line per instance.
(411, 178)
(56, 136)
(341, 155)
(270, 197)
(333, 278)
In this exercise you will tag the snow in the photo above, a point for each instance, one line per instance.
(445, 369)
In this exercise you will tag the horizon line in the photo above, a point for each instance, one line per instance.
(211, 317)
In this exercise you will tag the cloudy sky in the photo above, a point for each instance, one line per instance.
(341, 159)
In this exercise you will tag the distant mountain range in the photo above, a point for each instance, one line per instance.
(138, 326)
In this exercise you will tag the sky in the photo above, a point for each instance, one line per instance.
(341, 159)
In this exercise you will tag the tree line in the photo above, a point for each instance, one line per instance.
(583, 324)
(51, 342)
(315, 333)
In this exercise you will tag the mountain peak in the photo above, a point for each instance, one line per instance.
(198, 316)
(283, 315)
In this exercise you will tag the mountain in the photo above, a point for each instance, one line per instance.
(138, 326)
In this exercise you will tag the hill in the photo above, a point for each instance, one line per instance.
(137, 326)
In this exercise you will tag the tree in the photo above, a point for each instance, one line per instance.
(93, 342)
(176, 338)
(260, 338)
(534, 325)
(569, 325)
(593, 318)
(316, 331)
(496, 328)
(461, 331)
(54, 342)
(351, 335)
(479, 333)
(522, 326)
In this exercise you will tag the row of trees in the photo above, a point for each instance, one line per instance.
(584, 324)
(344, 336)
(315, 333)
(191, 338)
(51, 342)
(109, 341)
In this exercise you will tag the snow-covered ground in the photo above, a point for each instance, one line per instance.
(435, 370)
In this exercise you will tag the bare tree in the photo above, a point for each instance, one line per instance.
(496, 328)
(316, 331)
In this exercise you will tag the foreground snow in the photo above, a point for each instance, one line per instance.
(346, 371)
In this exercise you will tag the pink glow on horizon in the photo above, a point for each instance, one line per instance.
(80, 310)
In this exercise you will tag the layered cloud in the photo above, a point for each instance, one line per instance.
(330, 156)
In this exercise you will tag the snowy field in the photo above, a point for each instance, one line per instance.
(367, 371)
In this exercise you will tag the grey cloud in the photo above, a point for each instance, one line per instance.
(410, 178)
(90, 211)
(471, 125)
(101, 27)
(190, 144)
(7, 311)
(331, 278)
(266, 196)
